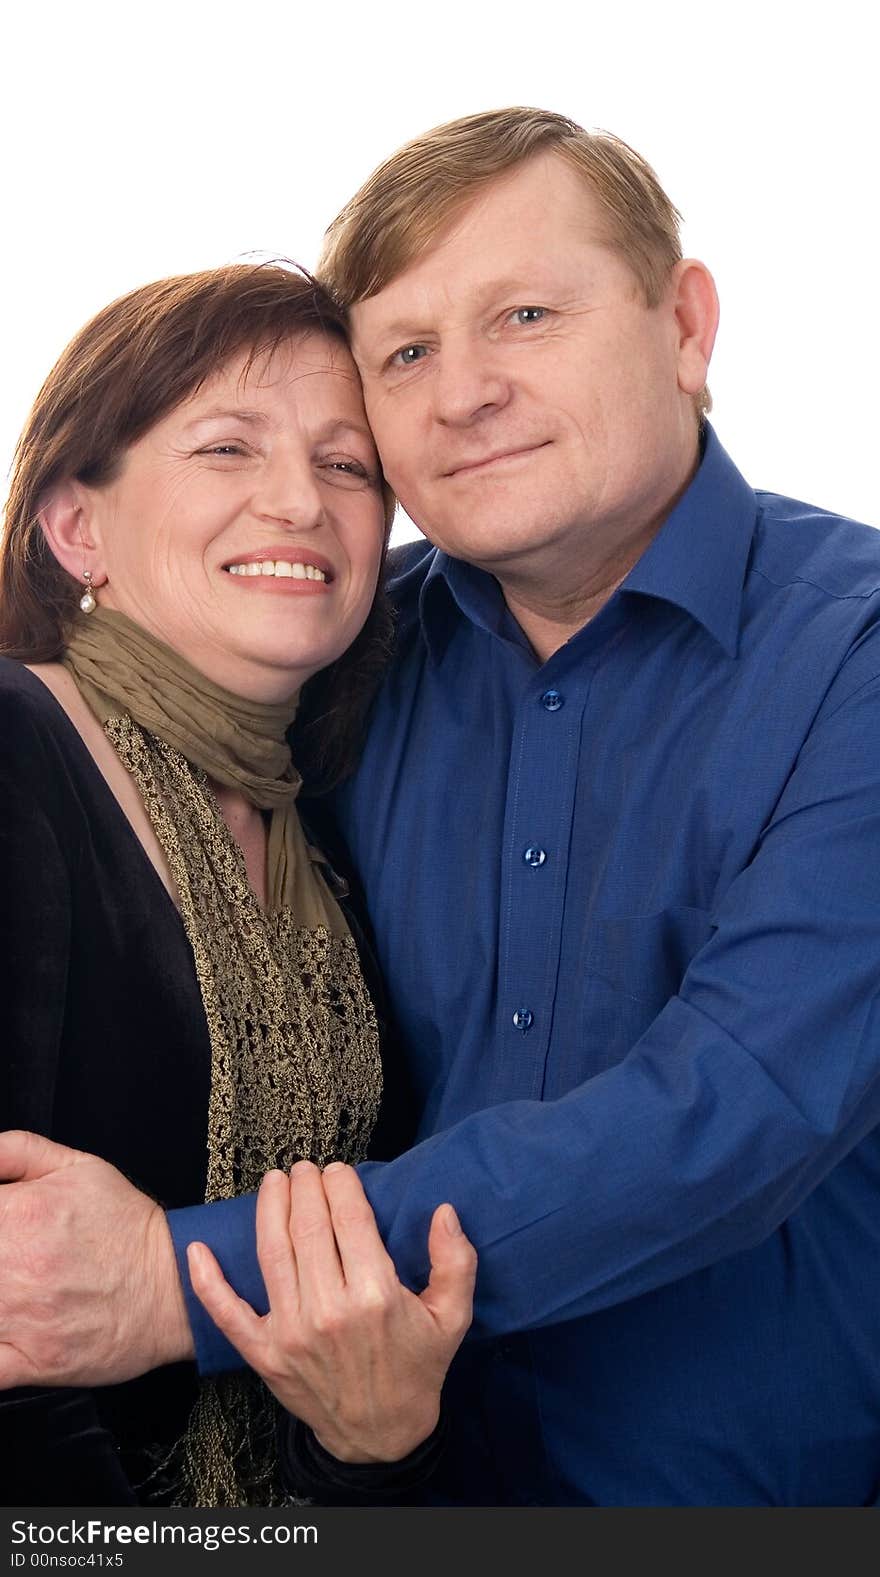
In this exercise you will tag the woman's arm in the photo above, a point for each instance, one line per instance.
(54, 1449)
(56, 1452)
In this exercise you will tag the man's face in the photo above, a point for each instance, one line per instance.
(526, 404)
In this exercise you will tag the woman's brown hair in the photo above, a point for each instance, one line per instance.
(126, 369)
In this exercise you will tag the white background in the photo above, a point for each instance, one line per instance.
(146, 140)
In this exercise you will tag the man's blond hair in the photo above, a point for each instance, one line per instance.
(408, 202)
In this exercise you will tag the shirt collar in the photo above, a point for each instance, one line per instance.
(699, 556)
(697, 561)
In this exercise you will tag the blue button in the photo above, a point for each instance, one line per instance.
(523, 1019)
(534, 857)
(551, 701)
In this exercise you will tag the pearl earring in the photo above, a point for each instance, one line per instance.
(87, 601)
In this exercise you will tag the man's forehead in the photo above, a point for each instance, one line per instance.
(516, 223)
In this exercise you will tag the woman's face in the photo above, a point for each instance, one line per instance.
(245, 529)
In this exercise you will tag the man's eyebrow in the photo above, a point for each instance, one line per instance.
(399, 329)
(529, 292)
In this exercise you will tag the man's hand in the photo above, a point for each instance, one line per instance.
(345, 1346)
(89, 1290)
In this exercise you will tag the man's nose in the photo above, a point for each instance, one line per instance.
(469, 382)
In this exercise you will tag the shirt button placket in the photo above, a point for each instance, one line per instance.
(535, 857)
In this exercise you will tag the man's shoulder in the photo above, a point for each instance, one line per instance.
(406, 568)
(797, 542)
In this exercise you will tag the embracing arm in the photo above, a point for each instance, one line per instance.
(750, 1085)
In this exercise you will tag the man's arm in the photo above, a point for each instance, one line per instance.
(745, 1091)
(89, 1293)
(747, 1088)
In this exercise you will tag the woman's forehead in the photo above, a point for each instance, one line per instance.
(306, 369)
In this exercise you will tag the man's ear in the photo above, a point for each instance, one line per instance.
(65, 517)
(696, 315)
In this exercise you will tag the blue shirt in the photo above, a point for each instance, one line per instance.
(628, 907)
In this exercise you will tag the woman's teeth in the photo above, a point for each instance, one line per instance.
(284, 567)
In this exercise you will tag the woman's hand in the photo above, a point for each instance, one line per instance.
(345, 1346)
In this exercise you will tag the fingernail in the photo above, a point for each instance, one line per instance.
(335, 1166)
(195, 1254)
(452, 1223)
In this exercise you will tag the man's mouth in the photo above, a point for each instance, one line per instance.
(482, 462)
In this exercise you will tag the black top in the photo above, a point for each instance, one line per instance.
(106, 1049)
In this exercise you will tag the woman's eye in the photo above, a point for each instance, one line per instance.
(408, 355)
(223, 450)
(347, 473)
(526, 315)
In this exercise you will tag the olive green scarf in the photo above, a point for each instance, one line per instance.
(295, 1068)
(120, 669)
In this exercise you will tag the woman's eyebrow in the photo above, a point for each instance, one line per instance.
(235, 413)
(335, 429)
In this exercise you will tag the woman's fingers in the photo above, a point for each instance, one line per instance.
(311, 1232)
(235, 1318)
(449, 1295)
(365, 1260)
(274, 1247)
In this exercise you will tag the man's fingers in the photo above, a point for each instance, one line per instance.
(14, 1368)
(235, 1318)
(25, 1156)
(450, 1291)
(274, 1246)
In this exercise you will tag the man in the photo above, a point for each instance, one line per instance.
(618, 819)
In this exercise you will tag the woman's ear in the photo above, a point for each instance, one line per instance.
(65, 517)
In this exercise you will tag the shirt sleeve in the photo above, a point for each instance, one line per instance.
(749, 1086)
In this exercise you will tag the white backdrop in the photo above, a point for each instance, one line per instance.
(146, 140)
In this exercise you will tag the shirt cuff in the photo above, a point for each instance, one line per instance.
(229, 1229)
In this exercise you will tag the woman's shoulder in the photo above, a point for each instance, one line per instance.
(34, 728)
(23, 693)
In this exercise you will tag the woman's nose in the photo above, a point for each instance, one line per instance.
(289, 493)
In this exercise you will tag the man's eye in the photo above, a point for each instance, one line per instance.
(526, 315)
(408, 355)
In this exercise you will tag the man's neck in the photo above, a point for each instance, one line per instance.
(547, 626)
(546, 605)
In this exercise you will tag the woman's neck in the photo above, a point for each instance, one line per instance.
(248, 827)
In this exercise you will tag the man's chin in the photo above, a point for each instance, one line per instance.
(490, 540)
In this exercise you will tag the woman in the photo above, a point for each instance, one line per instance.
(195, 528)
